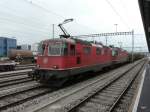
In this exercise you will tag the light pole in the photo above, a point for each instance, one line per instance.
(106, 40)
(53, 30)
(132, 45)
(116, 26)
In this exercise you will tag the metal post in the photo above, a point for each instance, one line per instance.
(53, 32)
(93, 39)
(116, 26)
(132, 45)
(106, 40)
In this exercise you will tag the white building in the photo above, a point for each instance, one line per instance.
(34, 48)
(25, 47)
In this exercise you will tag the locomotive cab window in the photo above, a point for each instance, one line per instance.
(58, 49)
(41, 49)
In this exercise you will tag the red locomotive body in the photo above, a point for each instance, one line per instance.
(66, 57)
(62, 58)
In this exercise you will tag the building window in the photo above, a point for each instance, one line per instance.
(87, 50)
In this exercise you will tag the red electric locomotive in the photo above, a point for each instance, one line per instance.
(65, 57)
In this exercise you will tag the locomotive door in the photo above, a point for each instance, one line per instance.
(78, 60)
(75, 54)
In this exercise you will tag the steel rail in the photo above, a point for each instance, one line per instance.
(15, 82)
(22, 100)
(126, 89)
(105, 85)
(96, 92)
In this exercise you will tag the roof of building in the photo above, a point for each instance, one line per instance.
(145, 13)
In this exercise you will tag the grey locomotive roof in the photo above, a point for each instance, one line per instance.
(74, 41)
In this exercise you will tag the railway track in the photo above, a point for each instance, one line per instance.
(14, 73)
(14, 78)
(66, 99)
(99, 96)
(127, 100)
(21, 96)
(15, 82)
(25, 65)
(107, 99)
(22, 67)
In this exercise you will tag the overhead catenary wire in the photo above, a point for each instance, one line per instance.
(32, 25)
(117, 13)
(20, 21)
(47, 10)
(51, 12)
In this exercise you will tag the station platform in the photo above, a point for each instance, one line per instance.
(142, 102)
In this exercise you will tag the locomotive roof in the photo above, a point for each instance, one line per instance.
(74, 41)
(60, 40)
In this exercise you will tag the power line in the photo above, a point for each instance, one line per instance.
(15, 19)
(47, 10)
(23, 25)
(18, 17)
(113, 8)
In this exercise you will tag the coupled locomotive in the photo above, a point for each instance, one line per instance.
(65, 57)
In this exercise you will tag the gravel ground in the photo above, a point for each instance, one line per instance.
(21, 96)
(18, 88)
(12, 75)
(16, 85)
(12, 78)
(44, 100)
(126, 103)
(109, 96)
(16, 71)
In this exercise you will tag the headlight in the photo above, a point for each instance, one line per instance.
(38, 66)
(55, 67)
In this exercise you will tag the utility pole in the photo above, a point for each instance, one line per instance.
(53, 32)
(120, 44)
(116, 26)
(106, 40)
(132, 45)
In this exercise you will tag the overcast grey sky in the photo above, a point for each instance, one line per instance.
(31, 21)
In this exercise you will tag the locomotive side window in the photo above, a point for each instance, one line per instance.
(98, 51)
(72, 50)
(87, 50)
(114, 53)
(64, 49)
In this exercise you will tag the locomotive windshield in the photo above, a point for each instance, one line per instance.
(58, 49)
(41, 49)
